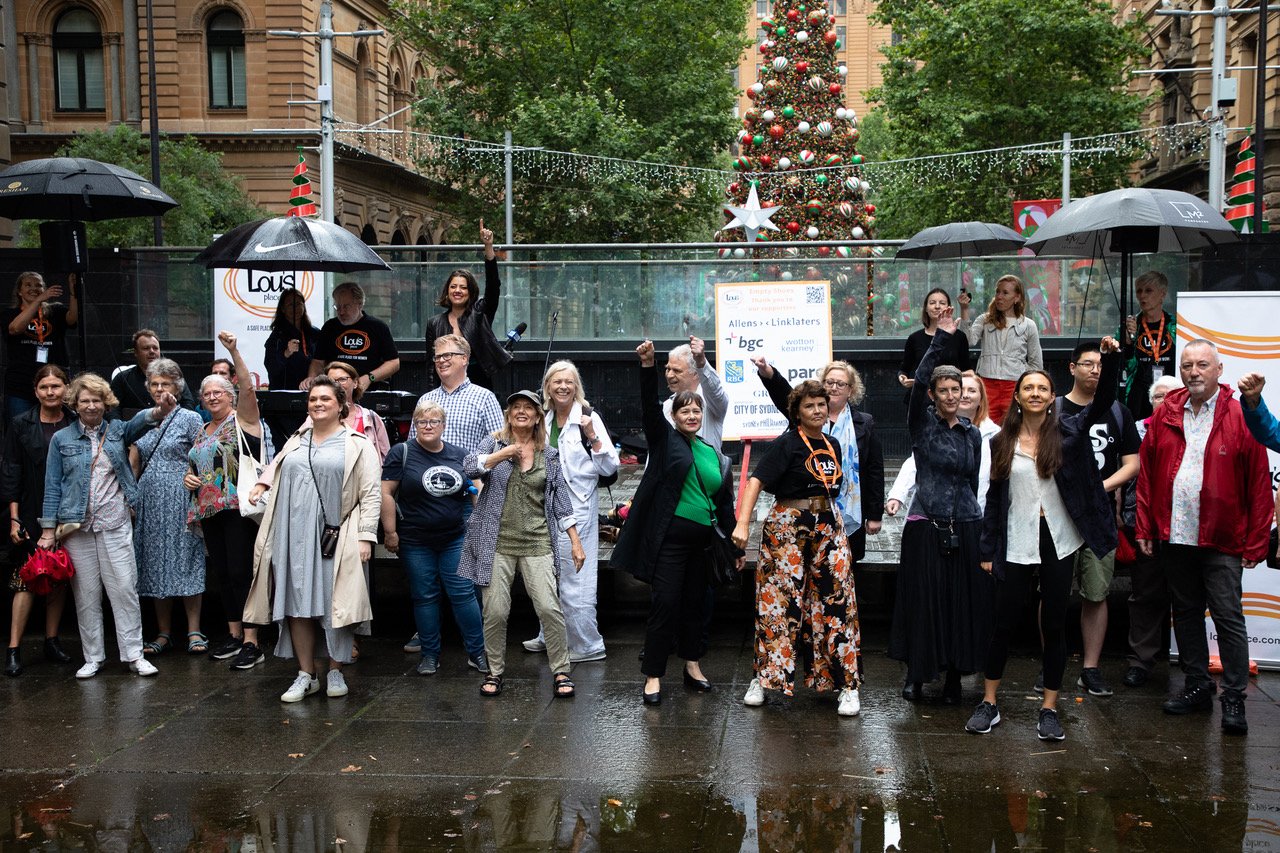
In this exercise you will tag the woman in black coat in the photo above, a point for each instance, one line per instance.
(687, 486)
(22, 488)
(470, 315)
(292, 343)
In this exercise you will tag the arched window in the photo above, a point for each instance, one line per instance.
(77, 51)
(364, 86)
(226, 61)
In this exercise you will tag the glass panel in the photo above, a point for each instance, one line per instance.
(94, 89)
(77, 21)
(68, 74)
(237, 77)
(218, 78)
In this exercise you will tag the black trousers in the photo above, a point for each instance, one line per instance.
(679, 599)
(229, 538)
(1012, 593)
(1148, 612)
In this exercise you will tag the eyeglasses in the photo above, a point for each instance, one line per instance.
(835, 383)
(429, 423)
(445, 356)
(1089, 365)
(213, 395)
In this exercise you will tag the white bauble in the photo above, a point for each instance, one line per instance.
(779, 63)
(802, 36)
(739, 253)
(757, 87)
(784, 163)
(786, 276)
(802, 127)
(843, 71)
(812, 232)
(841, 112)
(858, 233)
(767, 115)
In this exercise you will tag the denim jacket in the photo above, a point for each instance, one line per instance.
(947, 458)
(66, 475)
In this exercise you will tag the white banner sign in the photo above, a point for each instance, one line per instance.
(244, 302)
(787, 322)
(1242, 325)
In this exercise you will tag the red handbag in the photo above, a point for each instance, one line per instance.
(45, 569)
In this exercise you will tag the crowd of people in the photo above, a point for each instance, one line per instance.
(1012, 493)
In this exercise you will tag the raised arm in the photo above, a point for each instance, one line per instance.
(778, 388)
(492, 281)
(655, 425)
(715, 400)
(918, 408)
(247, 415)
(1108, 384)
(1257, 417)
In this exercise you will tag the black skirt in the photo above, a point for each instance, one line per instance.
(945, 604)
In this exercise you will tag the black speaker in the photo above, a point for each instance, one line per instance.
(64, 247)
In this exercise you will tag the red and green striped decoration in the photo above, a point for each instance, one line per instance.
(1243, 193)
(300, 203)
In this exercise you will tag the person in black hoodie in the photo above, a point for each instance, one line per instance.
(291, 344)
(1046, 501)
(469, 314)
(687, 487)
(22, 489)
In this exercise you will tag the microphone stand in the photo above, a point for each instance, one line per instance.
(555, 319)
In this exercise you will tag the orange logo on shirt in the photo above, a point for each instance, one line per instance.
(353, 342)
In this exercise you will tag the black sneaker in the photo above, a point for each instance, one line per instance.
(1194, 697)
(225, 649)
(480, 663)
(1136, 677)
(1091, 680)
(985, 717)
(1049, 728)
(248, 657)
(1233, 721)
(1039, 685)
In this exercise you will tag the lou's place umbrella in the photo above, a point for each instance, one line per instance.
(1131, 221)
(961, 240)
(290, 243)
(78, 189)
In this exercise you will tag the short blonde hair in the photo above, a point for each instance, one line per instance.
(95, 385)
(429, 408)
(458, 342)
(563, 366)
(856, 389)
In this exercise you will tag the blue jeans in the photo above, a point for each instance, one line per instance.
(428, 569)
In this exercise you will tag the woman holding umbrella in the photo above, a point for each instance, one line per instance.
(471, 315)
(1010, 343)
(35, 334)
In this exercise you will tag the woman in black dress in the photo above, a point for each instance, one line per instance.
(471, 315)
(956, 354)
(291, 344)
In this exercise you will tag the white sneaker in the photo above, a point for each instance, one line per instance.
(587, 658)
(537, 644)
(336, 685)
(755, 694)
(304, 685)
(143, 667)
(89, 670)
(850, 704)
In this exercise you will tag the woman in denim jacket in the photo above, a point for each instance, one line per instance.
(89, 484)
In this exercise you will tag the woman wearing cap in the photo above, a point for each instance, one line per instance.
(523, 503)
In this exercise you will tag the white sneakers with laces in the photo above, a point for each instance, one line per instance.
(143, 667)
(850, 704)
(755, 694)
(304, 685)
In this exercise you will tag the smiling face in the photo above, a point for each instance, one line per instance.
(970, 397)
(522, 414)
(90, 408)
(688, 419)
(451, 365)
(323, 406)
(458, 292)
(946, 397)
(1158, 395)
(1035, 393)
(344, 380)
(49, 392)
(838, 388)
(563, 389)
(216, 400)
(30, 288)
(1201, 370)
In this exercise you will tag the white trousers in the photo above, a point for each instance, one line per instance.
(578, 589)
(105, 559)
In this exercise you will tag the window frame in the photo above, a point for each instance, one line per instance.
(80, 46)
(222, 44)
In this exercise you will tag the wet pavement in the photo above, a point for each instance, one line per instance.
(203, 759)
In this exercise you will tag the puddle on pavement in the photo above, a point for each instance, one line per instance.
(525, 815)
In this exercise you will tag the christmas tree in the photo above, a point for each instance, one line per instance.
(799, 143)
(300, 203)
(1243, 193)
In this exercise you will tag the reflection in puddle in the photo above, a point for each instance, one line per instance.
(526, 815)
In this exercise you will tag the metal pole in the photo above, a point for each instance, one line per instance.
(325, 96)
(1217, 126)
(1260, 120)
(510, 205)
(157, 225)
(1066, 169)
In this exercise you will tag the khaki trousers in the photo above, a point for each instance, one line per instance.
(539, 575)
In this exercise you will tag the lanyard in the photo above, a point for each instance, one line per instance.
(811, 464)
(1158, 348)
(40, 325)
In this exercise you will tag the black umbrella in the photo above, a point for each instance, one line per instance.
(1131, 221)
(290, 243)
(78, 189)
(961, 240)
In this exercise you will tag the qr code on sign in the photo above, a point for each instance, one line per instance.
(813, 295)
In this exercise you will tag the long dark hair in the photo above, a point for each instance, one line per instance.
(304, 322)
(1005, 442)
(473, 289)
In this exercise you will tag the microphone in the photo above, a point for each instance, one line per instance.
(514, 335)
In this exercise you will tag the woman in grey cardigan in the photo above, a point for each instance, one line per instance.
(523, 500)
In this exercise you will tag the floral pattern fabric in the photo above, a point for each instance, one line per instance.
(806, 607)
(216, 461)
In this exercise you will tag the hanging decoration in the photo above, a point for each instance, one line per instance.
(751, 217)
(300, 203)
(1242, 195)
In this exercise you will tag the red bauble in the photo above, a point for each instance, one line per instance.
(834, 88)
(777, 131)
(802, 66)
(766, 161)
(793, 15)
(734, 188)
(829, 37)
(869, 208)
(793, 227)
(824, 251)
(751, 94)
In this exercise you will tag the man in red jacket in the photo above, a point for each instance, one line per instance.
(1204, 496)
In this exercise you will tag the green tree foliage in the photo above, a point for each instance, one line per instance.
(210, 200)
(631, 79)
(967, 75)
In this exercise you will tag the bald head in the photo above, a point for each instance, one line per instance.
(1201, 370)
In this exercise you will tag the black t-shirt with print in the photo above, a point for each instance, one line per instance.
(782, 469)
(1114, 436)
(364, 344)
(47, 328)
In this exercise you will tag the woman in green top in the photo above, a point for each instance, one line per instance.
(686, 489)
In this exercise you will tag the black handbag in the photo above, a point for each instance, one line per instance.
(722, 555)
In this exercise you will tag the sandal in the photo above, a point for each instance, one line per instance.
(491, 686)
(156, 647)
(197, 643)
(564, 687)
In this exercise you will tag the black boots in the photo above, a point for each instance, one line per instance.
(13, 663)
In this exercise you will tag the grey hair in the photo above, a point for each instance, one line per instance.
(1201, 342)
(945, 371)
(1166, 381)
(223, 381)
(169, 369)
(685, 352)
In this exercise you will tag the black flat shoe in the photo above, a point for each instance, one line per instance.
(911, 691)
(699, 684)
(652, 698)
(13, 663)
(53, 651)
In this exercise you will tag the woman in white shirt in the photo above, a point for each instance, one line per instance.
(586, 455)
(1010, 343)
(1046, 500)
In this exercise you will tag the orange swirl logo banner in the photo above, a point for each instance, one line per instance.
(1252, 347)
(256, 293)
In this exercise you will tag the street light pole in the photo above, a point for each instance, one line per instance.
(1217, 125)
(1260, 120)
